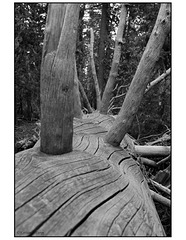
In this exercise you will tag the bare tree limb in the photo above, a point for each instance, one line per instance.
(160, 187)
(157, 80)
(165, 201)
(164, 160)
(148, 162)
(152, 150)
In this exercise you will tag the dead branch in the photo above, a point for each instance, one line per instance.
(164, 138)
(160, 187)
(152, 150)
(163, 200)
(158, 80)
(148, 162)
(118, 96)
(164, 160)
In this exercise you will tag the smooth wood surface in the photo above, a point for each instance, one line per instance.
(96, 190)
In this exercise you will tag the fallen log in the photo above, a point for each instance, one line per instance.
(148, 162)
(95, 190)
(157, 197)
(160, 187)
(152, 150)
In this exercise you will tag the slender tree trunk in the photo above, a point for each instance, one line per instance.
(80, 54)
(101, 50)
(107, 95)
(57, 79)
(77, 101)
(96, 84)
(85, 99)
(139, 83)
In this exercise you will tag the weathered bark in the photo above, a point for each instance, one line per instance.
(139, 83)
(54, 24)
(108, 92)
(101, 49)
(96, 84)
(158, 80)
(57, 81)
(77, 101)
(85, 99)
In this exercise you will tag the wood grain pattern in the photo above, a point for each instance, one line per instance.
(96, 190)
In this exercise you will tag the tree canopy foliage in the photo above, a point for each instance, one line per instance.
(154, 113)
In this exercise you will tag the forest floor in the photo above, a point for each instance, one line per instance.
(27, 134)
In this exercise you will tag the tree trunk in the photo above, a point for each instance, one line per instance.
(96, 84)
(77, 101)
(54, 24)
(85, 99)
(139, 83)
(80, 49)
(107, 95)
(57, 79)
(101, 50)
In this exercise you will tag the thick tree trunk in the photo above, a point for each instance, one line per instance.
(107, 95)
(96, 84)
(139, 83)
(77, 101)
(53, 28)
(101, 50)
(57, 79)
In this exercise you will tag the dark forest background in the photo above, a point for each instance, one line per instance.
(153, 116)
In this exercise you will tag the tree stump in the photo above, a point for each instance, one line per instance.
(96, 190)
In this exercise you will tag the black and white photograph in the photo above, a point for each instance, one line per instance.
(92, 119)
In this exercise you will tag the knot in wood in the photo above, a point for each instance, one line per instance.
(65, 89)
(167, 12)
(163, 21)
